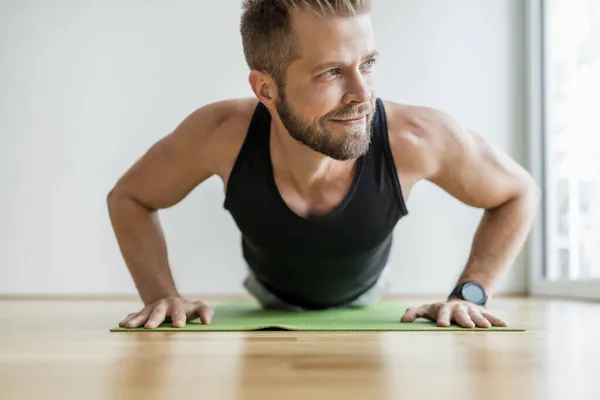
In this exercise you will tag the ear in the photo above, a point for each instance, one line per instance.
(264, 87)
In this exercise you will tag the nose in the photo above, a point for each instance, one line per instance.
(358, 89)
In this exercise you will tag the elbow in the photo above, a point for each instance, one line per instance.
(111, 200)
(111, 196)
(538, 193)
(534, 190)
(531, 194)
(114, 197)
(529, 188)
(121, 200)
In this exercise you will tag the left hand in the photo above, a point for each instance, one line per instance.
(464, 313)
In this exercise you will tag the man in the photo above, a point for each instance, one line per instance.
(317, 172)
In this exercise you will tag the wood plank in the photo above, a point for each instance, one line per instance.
(62, 349)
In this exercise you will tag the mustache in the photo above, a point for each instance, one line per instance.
(349, 112)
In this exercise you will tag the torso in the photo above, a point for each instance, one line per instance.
(327, 194)
(319, 247)
(323, 196)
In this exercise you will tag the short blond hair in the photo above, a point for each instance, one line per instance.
(266, 30)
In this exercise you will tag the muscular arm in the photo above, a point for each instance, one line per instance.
(431, 145)
(467, 167)
(165, 174)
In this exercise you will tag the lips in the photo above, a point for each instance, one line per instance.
(351, 119)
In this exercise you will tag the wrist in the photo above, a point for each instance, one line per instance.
(470, 291)
(159, 295)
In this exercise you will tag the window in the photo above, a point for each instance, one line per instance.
(569, 66)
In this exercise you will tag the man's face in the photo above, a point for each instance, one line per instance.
(328, 102)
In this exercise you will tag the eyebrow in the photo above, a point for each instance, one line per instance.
(329, 64)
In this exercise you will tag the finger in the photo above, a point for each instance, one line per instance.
(157, 317)
(494, 320)
(139, 319)
(178, 314)
(409, 315)
(205, 313)
(128, 318)
(413, 313)
(479, 319)
(462, 318)
(444, 315)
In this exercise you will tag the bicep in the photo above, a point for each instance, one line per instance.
(472, 170)
(171, 168)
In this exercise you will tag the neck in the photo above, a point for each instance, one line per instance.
(303, 165)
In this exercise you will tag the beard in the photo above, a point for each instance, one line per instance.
(353, 143)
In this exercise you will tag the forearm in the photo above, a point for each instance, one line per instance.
(143, 247)
(499, 238)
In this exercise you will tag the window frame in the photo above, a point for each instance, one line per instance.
(540, 240)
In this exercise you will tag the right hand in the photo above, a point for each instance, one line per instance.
(177, 308)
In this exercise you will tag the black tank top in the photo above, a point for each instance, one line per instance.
(325, 261)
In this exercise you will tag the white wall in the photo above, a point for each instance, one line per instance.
(87, 87)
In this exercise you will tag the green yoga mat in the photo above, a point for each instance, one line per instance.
(248, 316)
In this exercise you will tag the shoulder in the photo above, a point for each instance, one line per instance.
(429, 144)
(418, 136)
(217, 131)
(220, 119)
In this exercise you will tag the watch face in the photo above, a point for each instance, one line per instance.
(473, 293)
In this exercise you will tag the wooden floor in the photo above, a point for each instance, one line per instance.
(63, 350)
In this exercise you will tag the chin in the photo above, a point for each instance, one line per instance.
(348, 150)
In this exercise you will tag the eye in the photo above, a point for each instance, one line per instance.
(369, 63)
(330, 73)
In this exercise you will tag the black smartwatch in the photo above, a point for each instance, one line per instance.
(470, 291)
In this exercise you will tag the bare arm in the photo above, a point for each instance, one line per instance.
(479, 175)
(168, 171)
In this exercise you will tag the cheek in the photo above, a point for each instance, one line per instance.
(370, 82)
(318, 100)
(316, 94)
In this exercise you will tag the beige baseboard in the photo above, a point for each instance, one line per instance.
(206, 297)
